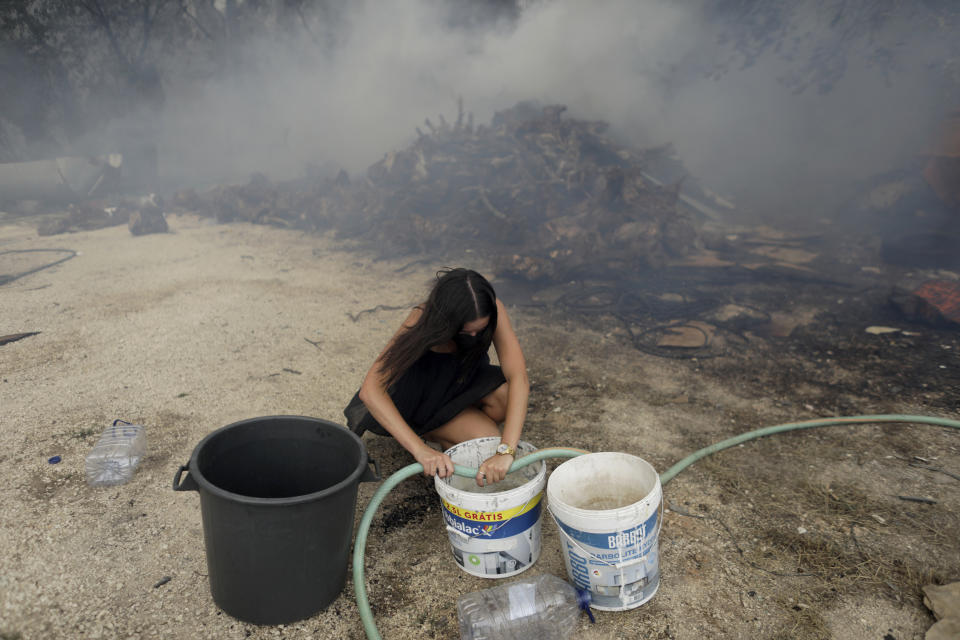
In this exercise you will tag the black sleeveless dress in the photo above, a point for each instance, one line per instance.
(430, 393)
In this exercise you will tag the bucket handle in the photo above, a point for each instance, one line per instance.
(459, 533)
(616, 565)
(371, 476)
(189, 484)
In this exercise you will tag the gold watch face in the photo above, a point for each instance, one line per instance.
(503, 449)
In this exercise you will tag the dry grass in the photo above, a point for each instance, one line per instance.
(830, 541)
(802, 623)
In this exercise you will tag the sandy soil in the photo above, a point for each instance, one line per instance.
(797, 536)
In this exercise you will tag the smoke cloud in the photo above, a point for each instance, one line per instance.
(642, 65)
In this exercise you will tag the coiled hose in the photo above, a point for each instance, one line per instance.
(359, 549)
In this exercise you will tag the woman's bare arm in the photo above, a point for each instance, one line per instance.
(373, 393)
(514, 368)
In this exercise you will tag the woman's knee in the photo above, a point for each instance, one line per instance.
(466, 425)
(494, 404)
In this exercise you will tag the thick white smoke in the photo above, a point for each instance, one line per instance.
(639, 64)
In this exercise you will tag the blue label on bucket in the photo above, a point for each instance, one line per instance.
(620, 568)
(624, 544)
(578, 568)
(488, 525)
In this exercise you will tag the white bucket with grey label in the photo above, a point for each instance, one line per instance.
(494, 531)
(608, 507)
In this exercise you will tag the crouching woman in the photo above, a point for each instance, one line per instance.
(434, 381)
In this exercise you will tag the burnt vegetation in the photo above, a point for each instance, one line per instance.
(546, 196)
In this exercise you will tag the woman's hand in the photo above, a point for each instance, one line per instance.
(494, 469)
(435, 463)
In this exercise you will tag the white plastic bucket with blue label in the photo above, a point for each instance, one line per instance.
(608, 508)
(494, 531)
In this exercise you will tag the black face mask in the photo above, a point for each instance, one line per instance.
(466, 342)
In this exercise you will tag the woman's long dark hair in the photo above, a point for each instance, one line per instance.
(459, 296)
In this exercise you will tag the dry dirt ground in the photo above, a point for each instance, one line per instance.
(801, 535)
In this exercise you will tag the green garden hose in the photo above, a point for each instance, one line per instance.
(669, 474)
(359, 549)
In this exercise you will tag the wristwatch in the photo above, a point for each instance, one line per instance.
(503, 449)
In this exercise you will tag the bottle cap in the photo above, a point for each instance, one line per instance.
(584, 599)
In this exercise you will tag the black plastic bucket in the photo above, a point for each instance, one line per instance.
(277, 499)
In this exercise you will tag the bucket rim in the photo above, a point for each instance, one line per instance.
(443, 485)
(209, 487)
(557, 504)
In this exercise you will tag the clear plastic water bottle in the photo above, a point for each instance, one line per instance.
(542, 607)
(116, 454)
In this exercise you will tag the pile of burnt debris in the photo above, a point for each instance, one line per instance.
(543, 195)
(142, 215)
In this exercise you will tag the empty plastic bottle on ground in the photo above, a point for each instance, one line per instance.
(116, 454)
(536, 608)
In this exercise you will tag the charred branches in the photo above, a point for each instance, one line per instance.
(545, 195)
